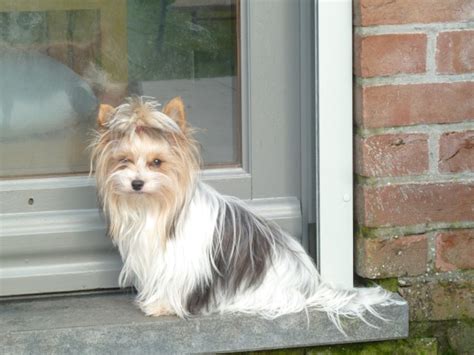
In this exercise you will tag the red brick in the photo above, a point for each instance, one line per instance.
(392, 155)
(405, 256)
(391, 12)
(440, 300)
(390, 54)
(455, 52)
(455, 250)
(456, 152)
(409, 204)
(400, 105)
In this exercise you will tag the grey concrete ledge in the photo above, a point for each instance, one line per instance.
(111, 324)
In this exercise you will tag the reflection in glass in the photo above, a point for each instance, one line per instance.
(59, 62)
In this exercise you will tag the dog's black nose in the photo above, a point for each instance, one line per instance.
(137, 184)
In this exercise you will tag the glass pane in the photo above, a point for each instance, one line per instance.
(60, 59)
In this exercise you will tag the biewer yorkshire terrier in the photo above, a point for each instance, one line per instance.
(187, 249)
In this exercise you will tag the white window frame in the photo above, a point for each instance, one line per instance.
(334, 141)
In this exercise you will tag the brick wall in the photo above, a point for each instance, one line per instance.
(414, 144)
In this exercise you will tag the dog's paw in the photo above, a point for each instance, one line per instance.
(157, 309)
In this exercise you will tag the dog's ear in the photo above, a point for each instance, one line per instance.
(175, 110)
(105, 112)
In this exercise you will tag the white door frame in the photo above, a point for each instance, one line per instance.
(334, 140)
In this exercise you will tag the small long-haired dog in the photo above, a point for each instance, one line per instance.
(187, 249)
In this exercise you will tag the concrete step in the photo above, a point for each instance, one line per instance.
(110, 323)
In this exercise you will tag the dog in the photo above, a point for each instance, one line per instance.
(187, 249)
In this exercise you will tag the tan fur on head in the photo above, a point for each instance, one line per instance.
(105, 112)
(136, 141)
(143, 112)
(175, 109)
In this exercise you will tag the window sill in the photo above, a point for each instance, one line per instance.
(110, 323)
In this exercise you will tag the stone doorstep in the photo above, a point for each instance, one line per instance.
(111, 323)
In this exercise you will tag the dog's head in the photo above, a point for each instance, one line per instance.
(140, 151)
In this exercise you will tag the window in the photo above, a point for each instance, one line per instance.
(246, 71)
(162, 49)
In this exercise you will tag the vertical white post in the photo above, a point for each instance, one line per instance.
(334, 68)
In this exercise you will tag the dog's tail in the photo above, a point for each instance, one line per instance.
(350, 303)
(365, 304)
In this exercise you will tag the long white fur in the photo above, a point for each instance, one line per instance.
(291, 285)
(165, 277)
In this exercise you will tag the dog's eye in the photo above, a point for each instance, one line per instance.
(156, 162)
(123, 161)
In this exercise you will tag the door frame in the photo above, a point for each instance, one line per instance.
(39, 210)
(52, 237)
(334, 191)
